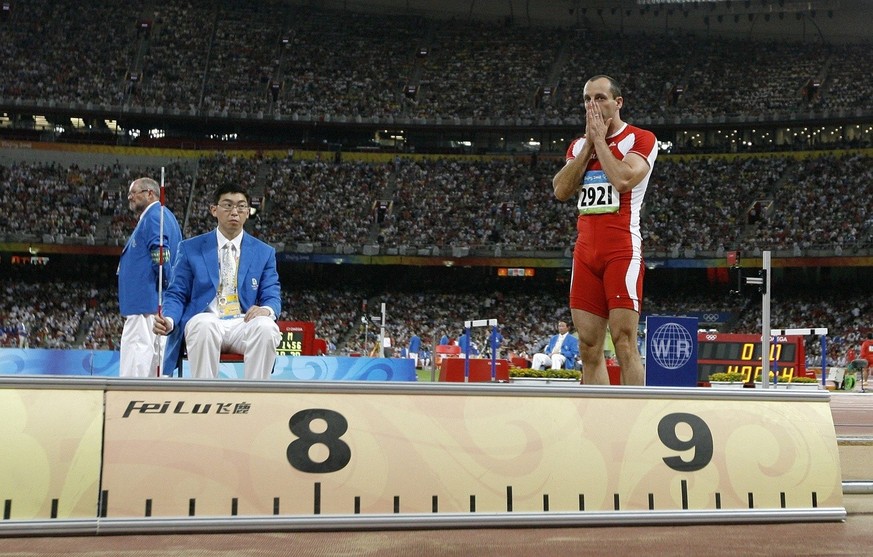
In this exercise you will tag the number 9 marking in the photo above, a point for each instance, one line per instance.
(701, 441)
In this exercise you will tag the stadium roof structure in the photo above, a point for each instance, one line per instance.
(811, 20)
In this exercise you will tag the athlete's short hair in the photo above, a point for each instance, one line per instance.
(614, 87)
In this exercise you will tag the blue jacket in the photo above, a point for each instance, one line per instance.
(464, 341)
(138, 270)
(569, 349)
(414, 344)
(496, 338)
(195, 278)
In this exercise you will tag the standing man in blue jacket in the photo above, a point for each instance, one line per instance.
(466, 343)
(414, 349)
(225, 293)
(138, 282)
(561, 352)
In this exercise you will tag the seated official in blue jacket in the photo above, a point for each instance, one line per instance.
(561, 352)
(225, 293)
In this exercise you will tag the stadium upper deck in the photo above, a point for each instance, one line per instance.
(712, 76)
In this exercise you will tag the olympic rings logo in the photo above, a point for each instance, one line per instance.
(711, 337)
(711, 317)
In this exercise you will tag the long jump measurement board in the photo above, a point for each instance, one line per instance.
(235, 455)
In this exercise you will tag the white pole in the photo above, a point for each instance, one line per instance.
(382, 333)
(161, 276)
(366, 334)
(366, 344)
(765, 324)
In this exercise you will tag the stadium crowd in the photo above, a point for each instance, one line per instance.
(845, 311)
(51, 312)
(84, 314)
(232, 57)
(321, 202)
(51, 200)
(695, 204)
(469, 203)
(261, 58)
(90, 64)
(821, 204)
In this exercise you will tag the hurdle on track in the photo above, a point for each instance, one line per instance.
(492, 340)
(822, 332)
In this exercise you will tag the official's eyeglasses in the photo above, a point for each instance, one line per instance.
(134, 192)
(240, 207)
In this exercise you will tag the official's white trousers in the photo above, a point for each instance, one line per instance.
(139, 357)
(542, 361)
(207, 336)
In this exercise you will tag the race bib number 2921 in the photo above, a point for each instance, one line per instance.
(598, 195)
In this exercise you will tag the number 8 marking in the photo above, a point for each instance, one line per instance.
(339, 453)
(701, 441)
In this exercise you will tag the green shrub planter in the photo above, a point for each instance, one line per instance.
(732, 377)
(735, 380)
(545, 373)
(545, 376)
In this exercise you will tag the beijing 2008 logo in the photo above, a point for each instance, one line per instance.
(671, 346)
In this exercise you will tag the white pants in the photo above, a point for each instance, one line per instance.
(207, 337)
(414, 357)
(139, 357)
(542, 361)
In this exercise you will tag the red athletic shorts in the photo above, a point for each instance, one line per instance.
(604, 280)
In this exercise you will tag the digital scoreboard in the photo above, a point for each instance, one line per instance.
(738, 353)
(298, 338)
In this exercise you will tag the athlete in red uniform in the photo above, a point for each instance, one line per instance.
(608, 169)
(866, 353)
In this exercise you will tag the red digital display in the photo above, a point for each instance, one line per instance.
(298, 338)
(727, 353)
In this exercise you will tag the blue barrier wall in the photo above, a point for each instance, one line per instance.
(37, 361)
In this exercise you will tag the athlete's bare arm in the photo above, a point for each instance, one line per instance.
(624, 174)
(568, 180)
